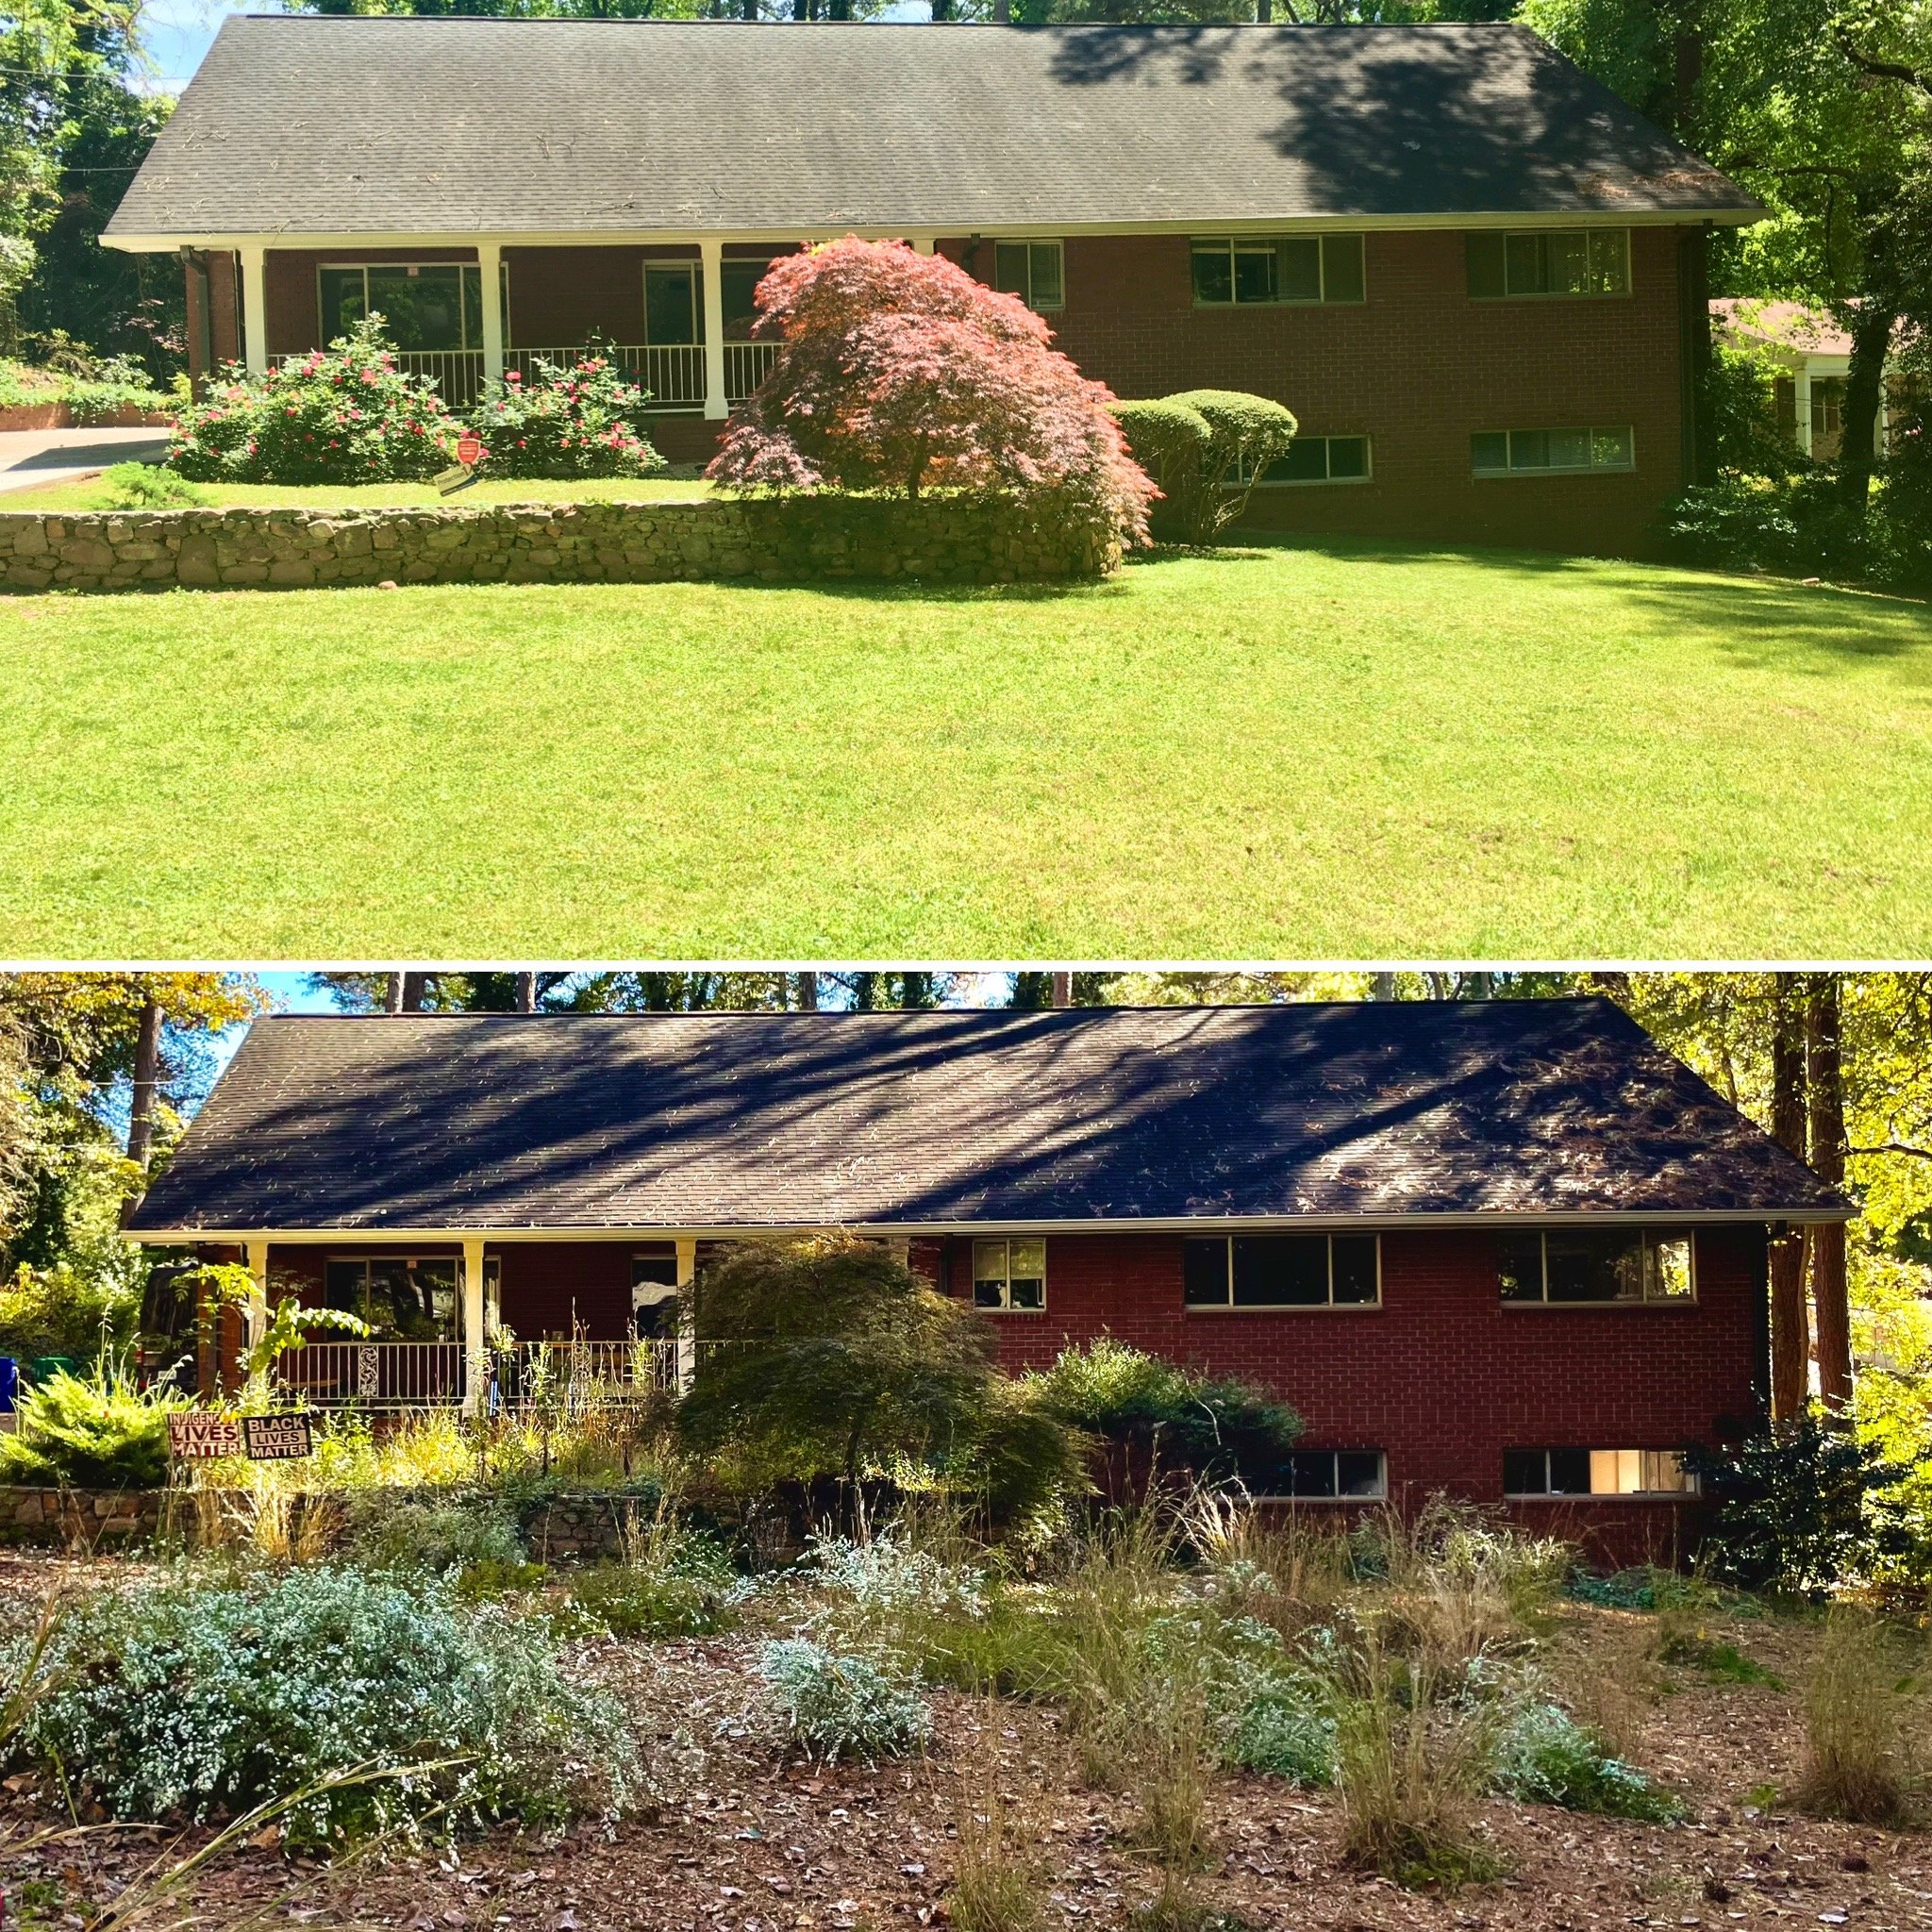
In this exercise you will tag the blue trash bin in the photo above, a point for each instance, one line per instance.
(9, 1384)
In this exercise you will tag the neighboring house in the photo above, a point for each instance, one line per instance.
(1508, 1249)
(1475, 276)
(1816, 354)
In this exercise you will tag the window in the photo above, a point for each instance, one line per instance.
(402, 1299)
(1342, 1475)
(1595, 1473)
(1539, 452)
(1584, 1265)
(1317, 459)
(673, 305)
(1282, 1271)
(424, 305)
(654, 1290)
(1287, 268)
(1010, 1274)
(738, 282)
(1569, 261)
(1034, 271)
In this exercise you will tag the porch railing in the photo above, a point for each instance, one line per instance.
(372, 1374)
(745, 366)
(570, 1376)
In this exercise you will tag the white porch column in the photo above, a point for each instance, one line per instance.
(489, 259)
(254, 1317)
(475, 1358)
(922, 244)
(711, 259)
(687, 1342)
(1800, 384)
(254, 308)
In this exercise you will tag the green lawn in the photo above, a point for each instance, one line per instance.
(92, 492)
(1283, 752)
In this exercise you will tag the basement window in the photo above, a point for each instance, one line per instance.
(1550, 452)
(1240, 270)
(1010, 1274)
(1338, 1475)
(1595, 1473)
(1562, 262)
(1586, 1266)
(1283, 1271)
(1034, 271)
(1316, 460)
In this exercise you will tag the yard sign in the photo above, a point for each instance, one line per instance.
(192, 1437)
(276, 1437)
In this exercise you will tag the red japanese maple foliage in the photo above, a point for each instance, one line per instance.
(898, 371)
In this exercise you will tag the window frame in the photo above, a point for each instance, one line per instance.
(1688, 1489)
(1030, 243)
(465, 270)
(1504, 236)
(1264, 481)
(1334, 1498)
(1647, 1237)
(1231, 1307)
(1237, 245)
(453, 1333)
(691, 267)
(1006, 1305)
(1513, 471)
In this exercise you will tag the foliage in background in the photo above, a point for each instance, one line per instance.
(581, 419)
(1206, 448)
(198, 1697)
(900, 372)
(97, 392)
(343, 414)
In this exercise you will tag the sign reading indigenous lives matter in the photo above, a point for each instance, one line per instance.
(276, 1437)
(192, 1436)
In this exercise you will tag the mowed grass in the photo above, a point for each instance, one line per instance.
(1284, 751)
(94, 493)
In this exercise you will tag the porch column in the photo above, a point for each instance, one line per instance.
(711, 261)
(254, 1317)
(254, 308)
(686, 1344)
(1801, 386)
(475, 1358)
(490, 257)
(922, 244)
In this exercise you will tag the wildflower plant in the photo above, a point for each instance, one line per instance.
(344, 414)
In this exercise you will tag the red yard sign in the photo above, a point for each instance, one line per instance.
(469, 451)
(198, 1435)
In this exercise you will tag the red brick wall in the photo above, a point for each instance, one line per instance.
(1442, 1377)
(225, 333)
(1417, 368)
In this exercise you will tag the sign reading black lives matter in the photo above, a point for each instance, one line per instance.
(276, 1437)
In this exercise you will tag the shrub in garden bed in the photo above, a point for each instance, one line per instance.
(343, 414)
(1206, 448)
(203, 1696)
(91, 391)
(836, 1706)
(1543, 1757)
(99, 1432)
(582, 419)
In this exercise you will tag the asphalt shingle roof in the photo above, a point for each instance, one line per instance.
(730, 1121)
(301, 124)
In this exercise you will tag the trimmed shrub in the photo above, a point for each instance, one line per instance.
(1206, 448)
(192, 1699)
(836, 1706)
(343, 414)
(581, 419)
(103, 1433)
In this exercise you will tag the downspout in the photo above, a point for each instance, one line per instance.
(1760, 1328)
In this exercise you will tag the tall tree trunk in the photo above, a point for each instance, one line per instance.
(1791, 1340)
(148, 1067)
(1481, 985)
(865, 991)
(1824, 1083)
(917, 991)
(808, 992)
(1063, 989)
(1864, 384)
(526, 992)
(1382, 986)
(414, 986)
(392, 993)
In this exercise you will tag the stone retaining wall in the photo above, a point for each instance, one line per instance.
(793, 539)
(82, 1519)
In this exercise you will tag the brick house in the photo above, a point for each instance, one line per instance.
(1508, 1249)
(1474, 274)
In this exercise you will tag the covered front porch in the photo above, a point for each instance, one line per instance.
(677, 315)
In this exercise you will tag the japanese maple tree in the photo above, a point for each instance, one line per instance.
(899, 371)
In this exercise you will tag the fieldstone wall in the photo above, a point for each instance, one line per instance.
(794, 539)
(81, 1519)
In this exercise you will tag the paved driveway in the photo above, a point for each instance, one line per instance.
(29, 457)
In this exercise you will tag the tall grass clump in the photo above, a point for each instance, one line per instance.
(995, 1885)
(204, 1694)
(1857, 1757)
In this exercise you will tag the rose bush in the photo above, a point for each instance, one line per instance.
(581, 419)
